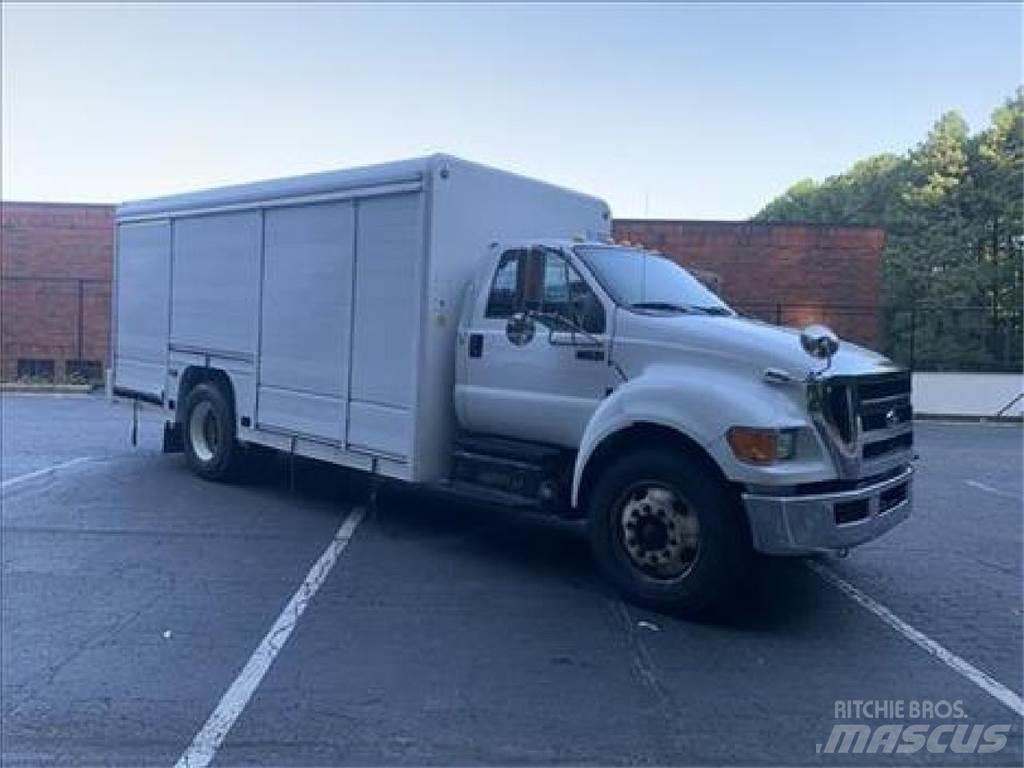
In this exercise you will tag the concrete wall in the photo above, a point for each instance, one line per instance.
(967, 394)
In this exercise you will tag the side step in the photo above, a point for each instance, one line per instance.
(481, 494)
(511, 473)
(506, 448)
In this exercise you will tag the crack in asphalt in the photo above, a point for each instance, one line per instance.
(647, 672)
(45, 678)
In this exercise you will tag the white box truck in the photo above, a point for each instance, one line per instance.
(438, 322)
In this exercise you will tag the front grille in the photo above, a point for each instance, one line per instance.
(832, 400)
(891, 385)
(886, 415)
(866, 420)
(888, 445)
(839, 405)
(872, 420)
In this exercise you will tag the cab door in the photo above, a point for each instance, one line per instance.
(541, 378)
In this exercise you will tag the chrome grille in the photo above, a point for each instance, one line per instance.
(866, 421)
(886, 415)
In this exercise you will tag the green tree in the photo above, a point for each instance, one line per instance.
(953, 211)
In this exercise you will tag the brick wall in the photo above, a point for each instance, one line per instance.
(55, 270)
(789, 273)
(56, 262)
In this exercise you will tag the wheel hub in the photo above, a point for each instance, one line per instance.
(652, 534)
(660, 532)
(203, 431)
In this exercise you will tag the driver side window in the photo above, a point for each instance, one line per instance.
(505, 298)
(539, 280)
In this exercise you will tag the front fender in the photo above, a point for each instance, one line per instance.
(700, 405)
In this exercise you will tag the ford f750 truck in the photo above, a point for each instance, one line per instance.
(441, 323)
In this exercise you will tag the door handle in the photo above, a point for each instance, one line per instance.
(476, 345)
(595, 355)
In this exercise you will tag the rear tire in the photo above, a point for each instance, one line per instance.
(669, 532)
(209, 433)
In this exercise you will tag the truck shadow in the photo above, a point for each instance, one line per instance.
(779, 593)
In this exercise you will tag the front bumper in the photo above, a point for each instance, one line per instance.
(804, 524)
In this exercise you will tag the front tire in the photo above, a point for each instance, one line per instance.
(668, 532)
(209, 433)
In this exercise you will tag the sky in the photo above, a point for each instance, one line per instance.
(663, 110)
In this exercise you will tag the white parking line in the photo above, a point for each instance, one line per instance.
(41, 472)
(994, 491)
(984, 681)
(205, 744)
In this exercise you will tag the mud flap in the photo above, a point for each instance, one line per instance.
(173, 438)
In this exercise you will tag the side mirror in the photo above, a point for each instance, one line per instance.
(591, 313)
(520, 329)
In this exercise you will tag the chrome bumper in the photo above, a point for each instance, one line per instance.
(795, 525)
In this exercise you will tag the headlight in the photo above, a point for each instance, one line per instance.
(762, 446)
(786, 444)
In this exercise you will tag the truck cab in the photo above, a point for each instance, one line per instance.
(607, 383)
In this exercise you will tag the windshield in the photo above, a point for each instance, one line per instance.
(639, 279)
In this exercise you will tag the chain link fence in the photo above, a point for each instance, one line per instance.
(58, 329)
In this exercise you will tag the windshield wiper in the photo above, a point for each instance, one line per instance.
(662, 305)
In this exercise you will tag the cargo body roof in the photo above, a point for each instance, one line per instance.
(326, 183)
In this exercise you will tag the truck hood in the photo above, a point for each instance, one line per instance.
(743, 342)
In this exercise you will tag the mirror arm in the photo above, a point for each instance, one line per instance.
(573, 329)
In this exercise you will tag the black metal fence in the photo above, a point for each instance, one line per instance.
(59, 329)
(921, 337)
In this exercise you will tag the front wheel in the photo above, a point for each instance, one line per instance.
(209, 433)
(668, 532)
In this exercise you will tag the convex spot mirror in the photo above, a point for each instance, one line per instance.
(819, 341)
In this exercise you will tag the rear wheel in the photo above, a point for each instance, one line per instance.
(209, 433)
(668, 532)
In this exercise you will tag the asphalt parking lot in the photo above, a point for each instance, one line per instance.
(135, 595)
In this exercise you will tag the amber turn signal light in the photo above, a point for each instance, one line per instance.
(753, 445)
